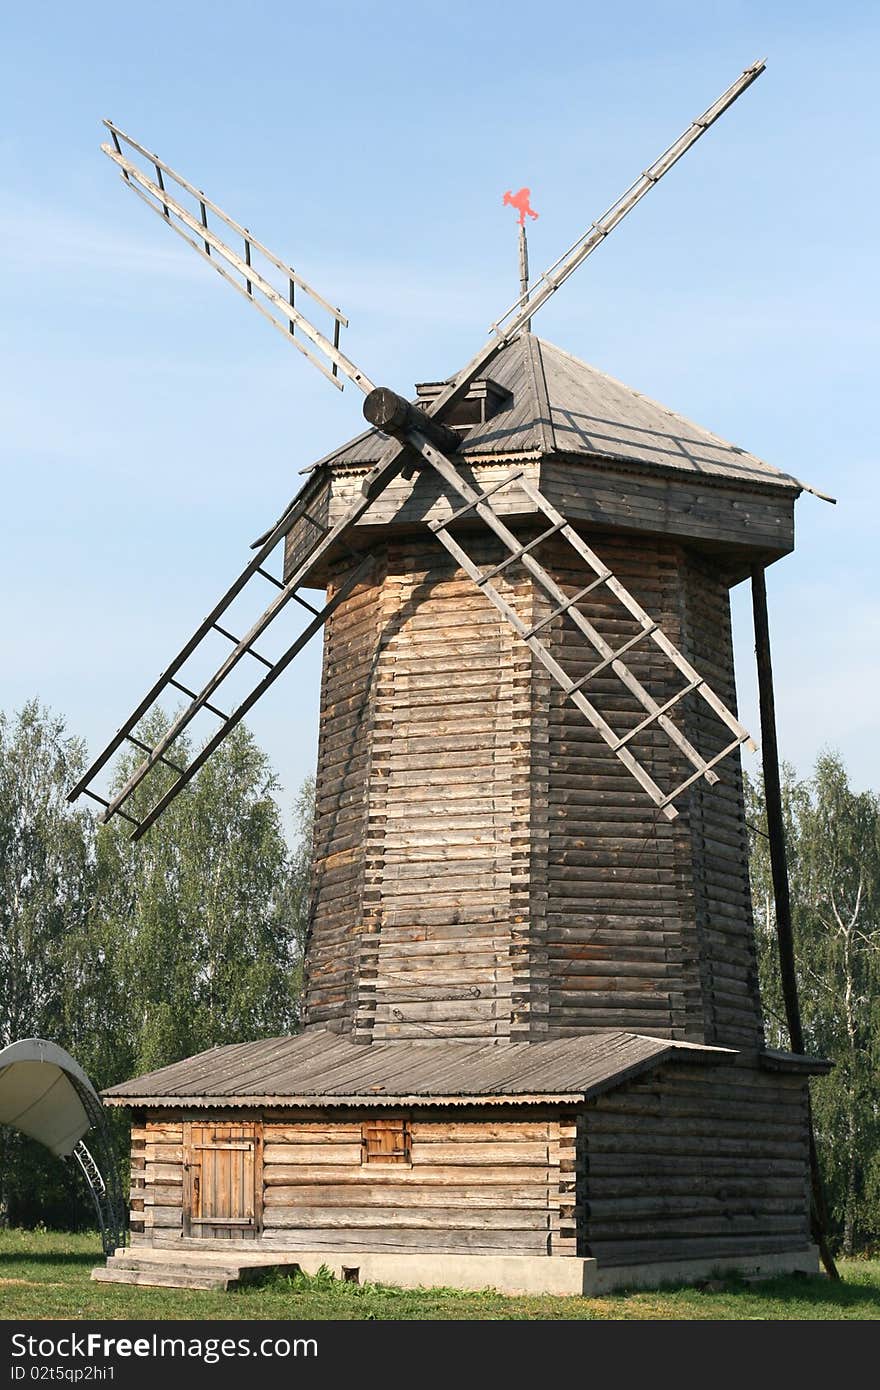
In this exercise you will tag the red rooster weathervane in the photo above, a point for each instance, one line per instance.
(520, 201)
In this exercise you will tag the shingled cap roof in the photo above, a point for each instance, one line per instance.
(562, 406)
(319, 1067)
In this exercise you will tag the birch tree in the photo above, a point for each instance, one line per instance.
(833, 843)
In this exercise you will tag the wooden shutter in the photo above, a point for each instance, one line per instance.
(386, 1140)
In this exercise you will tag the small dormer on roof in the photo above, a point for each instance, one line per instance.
(484, 399)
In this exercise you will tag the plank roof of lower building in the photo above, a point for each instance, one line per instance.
(320, 1066)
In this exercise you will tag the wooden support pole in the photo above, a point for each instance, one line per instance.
(781, 891)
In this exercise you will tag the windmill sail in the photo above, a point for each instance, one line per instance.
(171, 683)
(250, 270)
(519, 315)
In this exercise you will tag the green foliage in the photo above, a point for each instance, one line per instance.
(132, 956)
(198, 911)
(46, 869)
(47, 875)
(833, 846)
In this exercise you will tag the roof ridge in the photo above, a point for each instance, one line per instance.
(543, 415)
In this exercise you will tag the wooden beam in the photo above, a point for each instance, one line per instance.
(387, 411)
(781, 888)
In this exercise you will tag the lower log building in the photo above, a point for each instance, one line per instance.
(613, 1152)
(533, 1052)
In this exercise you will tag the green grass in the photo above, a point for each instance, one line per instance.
(45, 1274)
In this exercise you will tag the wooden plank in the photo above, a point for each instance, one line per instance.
(506, 1197)
(524, 1242)
(440, 1219)
(336, 1155)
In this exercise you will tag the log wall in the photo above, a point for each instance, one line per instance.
(688, 1162)
(484, 865)
(450, 733)
(704, 511)
(698, 509)
(719, 852)
(156, 1193)
(621, 940)
(648, 923)
(478, 1182)
(694, 1163)
(333, 965)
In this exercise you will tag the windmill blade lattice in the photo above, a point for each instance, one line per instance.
(165, 194)
(170, 683)
(480, 504)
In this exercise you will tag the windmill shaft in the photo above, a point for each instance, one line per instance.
(775, 818)
(387, 411)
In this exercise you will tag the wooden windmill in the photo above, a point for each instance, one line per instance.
(530, 865)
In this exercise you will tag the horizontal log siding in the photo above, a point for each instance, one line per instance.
(333, 973)
(477, 1184)
(156, 1198)
(409, 502)
(622, 950)
(693, 509)
(485, 866)
(722, 894)
(693, 1163)
(446, 789)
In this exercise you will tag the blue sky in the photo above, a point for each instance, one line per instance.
(152, 425)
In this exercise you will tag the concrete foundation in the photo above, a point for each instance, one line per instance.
(652, 1276)
(563, 1275)
(537, 1274)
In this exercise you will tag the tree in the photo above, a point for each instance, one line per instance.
(199, 908)
(833, 840)
(132, 956)
(46, 887)
(299, 903)
(46, 868)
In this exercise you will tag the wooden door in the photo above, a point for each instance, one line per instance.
(223, 1180)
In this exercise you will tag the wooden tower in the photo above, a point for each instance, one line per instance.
(483, 867)
(533, 1053)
